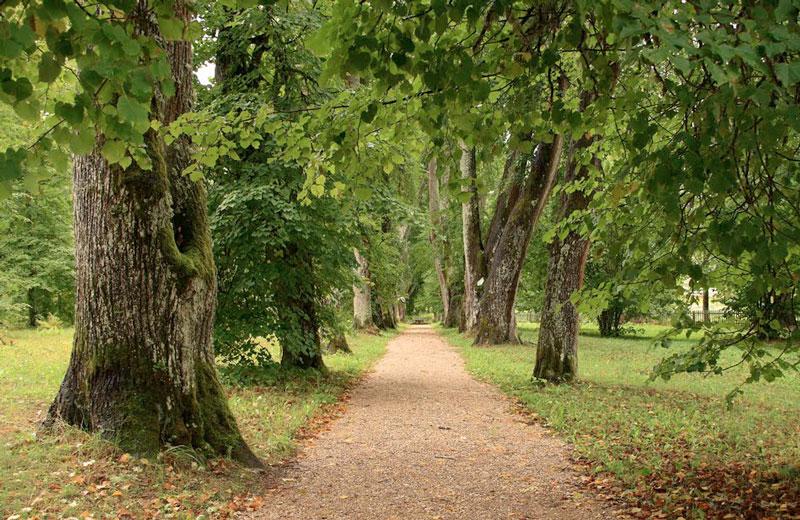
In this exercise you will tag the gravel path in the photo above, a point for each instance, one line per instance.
(421, 439)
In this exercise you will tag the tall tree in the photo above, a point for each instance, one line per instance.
(496, 323)
(142, 366)
(471, 232)
(434, 211)
(557, 349)
(288, 262)
(362, 294)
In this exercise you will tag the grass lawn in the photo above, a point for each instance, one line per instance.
(672, 448)
(73, 474)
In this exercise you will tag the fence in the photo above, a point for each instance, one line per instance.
(526, 316)
(711, 316)
(697, 316)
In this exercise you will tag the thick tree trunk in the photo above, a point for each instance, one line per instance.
(302, 347)
(434, 209)
(471, 232)
(496, 323)
(557, 350)
(142, 366)
(362, 297)
(509, 190)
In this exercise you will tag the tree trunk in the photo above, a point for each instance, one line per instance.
(557, 350)
(496, 323)
(362, 297)
(31, 308)
(454, 312)
(301, 345)
(383, 316)
(706, 306)
(471, 232)
(609, 321)
(142, 366)
(338, 343)
(434, 209)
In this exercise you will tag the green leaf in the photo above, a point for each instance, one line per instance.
(369, 114)
(82, 142)
(49, 68)
(362, 193)
(319, 43)
(27, 110)
(72, 114)
(133, 112)
(113, 151)
(171, 28)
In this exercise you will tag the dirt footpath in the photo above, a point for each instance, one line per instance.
(421, 439)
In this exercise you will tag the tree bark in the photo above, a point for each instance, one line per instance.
(609, 320)
(471, 233)
(301, 345)
(706, 306)
(338, 343)
(434, 209)
(455, 312)
(142, 367)
(362, 297)
(383, 316)
(496, 323)
(557, 350)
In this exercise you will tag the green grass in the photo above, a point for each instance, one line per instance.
(70, 473)
(671, 446)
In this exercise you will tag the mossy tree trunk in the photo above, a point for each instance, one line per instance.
(496, 323)
(383, 315)
(557, 350)
(454, 313)
(142, 367)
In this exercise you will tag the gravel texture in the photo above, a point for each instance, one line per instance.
(421, 439)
